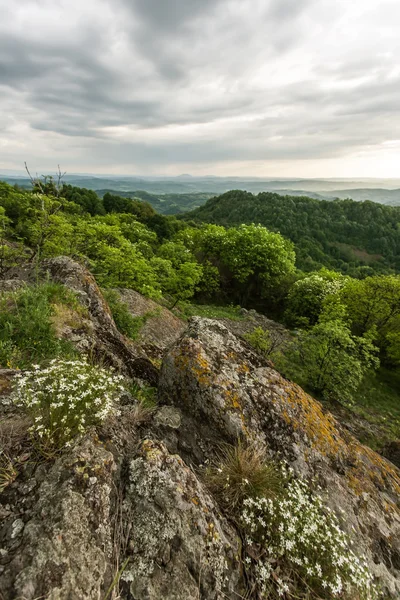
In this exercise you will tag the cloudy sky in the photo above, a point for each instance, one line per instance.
(226, 87)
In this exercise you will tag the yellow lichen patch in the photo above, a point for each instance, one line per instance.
(305, 415)
(243, 369)
(371, 471)
(151, 451)
(232, 399)
(195, 500)
(201, 369)
(367, 471)
(191, 358)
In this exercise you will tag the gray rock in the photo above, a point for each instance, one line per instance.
(161, 328)
(102, 340)
(225, 392)
(182, 547)
(66, 546)
(168, 416)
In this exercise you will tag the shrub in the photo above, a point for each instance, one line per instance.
(297, 550)
(331, 361)
(125, 322)
(242, 472)
(65, 398)
(26, 331)
(264, 341)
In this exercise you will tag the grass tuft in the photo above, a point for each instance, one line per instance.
(242, 472)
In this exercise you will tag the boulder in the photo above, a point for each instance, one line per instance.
(161, 327)
(56, 534)
(181, 546)
(225, 392)
(68, 528)
(100, 337)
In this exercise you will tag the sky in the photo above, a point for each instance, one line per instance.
(266, 88)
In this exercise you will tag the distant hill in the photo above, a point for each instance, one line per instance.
(377, 190)
(166, 204)
(354, 237)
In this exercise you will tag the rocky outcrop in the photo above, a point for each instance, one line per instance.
(56, 528)
(125, 512)
(99, 335)
(161, 327)
(181, 545)
(103, 510)
(226, 392)
(250, 320)
(94, 334)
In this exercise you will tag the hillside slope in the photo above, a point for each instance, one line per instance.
(126, 510)
(342, 234)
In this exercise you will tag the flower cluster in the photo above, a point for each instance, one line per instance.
(65, 398)
(304, 552)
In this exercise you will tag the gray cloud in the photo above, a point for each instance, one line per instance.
(154, 85)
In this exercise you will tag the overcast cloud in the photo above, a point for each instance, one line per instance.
(225, 87)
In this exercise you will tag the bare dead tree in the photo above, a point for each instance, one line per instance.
(49, 183)
(60, 177)
(34, 181)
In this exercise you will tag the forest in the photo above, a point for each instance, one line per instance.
(283, 256)
(355, 238)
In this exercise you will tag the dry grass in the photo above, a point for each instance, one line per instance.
(124, 427)
(13, 435)
(242, 472)
(122, 524)
(8, 472)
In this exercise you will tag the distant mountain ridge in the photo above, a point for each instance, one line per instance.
(376, 190)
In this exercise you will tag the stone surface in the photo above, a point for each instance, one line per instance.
(100, 337)
(182, 547)
(161, 328)
(61, 546)
(226, 392)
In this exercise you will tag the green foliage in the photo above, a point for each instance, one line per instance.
(87, 199)
(185, 275)
(378, 405)
(330, 360)
(165, 204)
(146, 394)
(261, 340)
(26, 330)
(375, 303)
(125, 322)
(11, 253)
(307, 296)
(66, 398)
(209, 311)
(251, 260)
(352, 237)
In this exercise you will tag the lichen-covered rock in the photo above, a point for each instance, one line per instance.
(101, 338)
(226, 392)
(181, 547)
(161, 327)
(56, 534)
